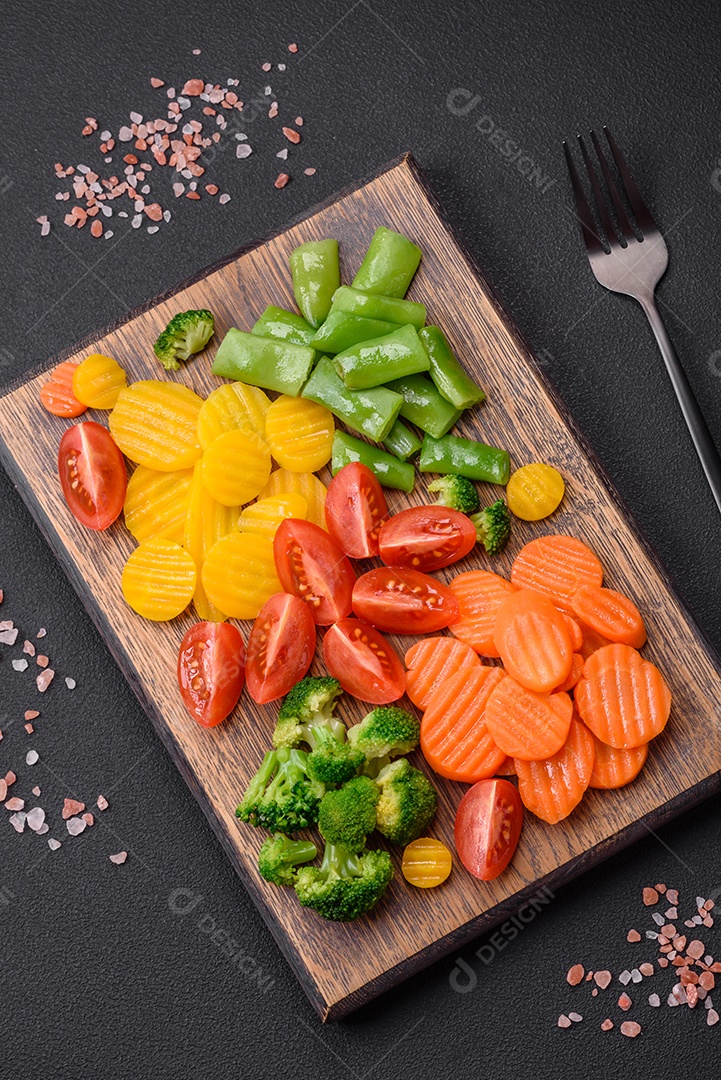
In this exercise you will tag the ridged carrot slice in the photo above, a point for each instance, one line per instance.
(479, 593)
(532, 640)
(574, 675)
(57, 394)
(610, 613)
(551, 789)
(574, 632)
(592, 641)
(431, 662)
(508, 768)
(527, 725)
(556, 566)
(622, 698)
(454, 736)
(616, 768)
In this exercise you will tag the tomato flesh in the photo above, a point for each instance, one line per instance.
(365, 664)
(211, 671)
(488, 826)
(280, 647)
(426, 538)
(402, 601)
(355, 509)
(311, 566)
(92, 475)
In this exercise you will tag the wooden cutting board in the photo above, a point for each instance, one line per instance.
(341, 966)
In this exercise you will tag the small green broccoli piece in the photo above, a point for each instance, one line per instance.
(347, 815)
(385, 733)
(282, 796)
(279, 858)
(407, 804)
(333, 760)
(187, 332)
(493, 526)
(457, 492)
(306, 708)
(346, 885)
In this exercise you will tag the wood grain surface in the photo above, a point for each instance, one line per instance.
(341, 966)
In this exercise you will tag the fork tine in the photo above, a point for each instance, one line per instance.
(621, 215)
(643, 217)
(590, 237)
(603, 212)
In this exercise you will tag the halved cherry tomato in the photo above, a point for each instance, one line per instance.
(488, 825)
(211, 671)
(402, 601)
(365, 664)
(92, 474)
(355, 509)
(280, 647)
(311, 566)
(426, 538)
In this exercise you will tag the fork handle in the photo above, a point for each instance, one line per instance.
(705, 447)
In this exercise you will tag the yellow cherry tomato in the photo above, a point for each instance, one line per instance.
(156, 424)
(534, 491)
(97, 381)
(286, 482)
(206, 522)
(426, 863)
(159, 579)
(232, 406)
(265, 515)
(156, 503)
(239, 574)
(236, 467)
(299, 433)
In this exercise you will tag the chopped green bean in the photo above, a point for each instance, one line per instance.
(316, 276)
(340, 331)
(276, 322)
(452, 381)
(389, 264)
(372, 363)
(386, 308)
(390, 471)
(370, 412)
(424, 406)
(265, 362)
(464, 457)
(401, 441)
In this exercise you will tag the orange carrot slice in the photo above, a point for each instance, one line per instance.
(592, 641)
(454, 736)
(551, 789)
(508, 768)
(610, 613)
(574, 675)
(556, 566)
(57, 393)
(574, 632)
(527, 725)
(479, 593)
(616, 768)
(431, 662)
(532, 640)
(622, 698)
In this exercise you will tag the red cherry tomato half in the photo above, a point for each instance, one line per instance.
(365, 664)
(403, 601)
(488, 825)
(92, 474)
(311, 566)
(355, 509)
(280, 647)
(426, 538)
(211, 671)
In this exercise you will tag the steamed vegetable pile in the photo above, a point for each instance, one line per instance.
(229, 515)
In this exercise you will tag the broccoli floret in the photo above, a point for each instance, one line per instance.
(347, 816)
(346, 884)
(282, 796)
(333, 760)
(187, 332)
(386, 732)
(457, 492)
(279, 858)
(307, 707)
(407, 803)
(493, 526)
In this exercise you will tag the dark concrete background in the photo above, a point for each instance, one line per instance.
(100, 976)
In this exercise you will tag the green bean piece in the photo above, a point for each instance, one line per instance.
(389, 264)
(401, 441)
(371, 412)
(424, 406)
(340, 331)
(276, 322)
(265, 362)
(386, 308)
(372, 363)
(389, 470)
(316, 276)
(464, 457)
(450, 378)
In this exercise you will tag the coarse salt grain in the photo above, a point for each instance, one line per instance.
(75, 826)
(563, 1021)
(36, 818)
(102, 803)
(44, 679)
(281, 180)
(9, 636)
(70, 683)
(88, 819)
(71, 807)
(650, 897)
(41, 632)
(36, 790)
(625, 1002)
(283, 154)
(224, 198)
(18, 822)
(624, 978)
(654, 1001)
(309, 172)
(32, 757)
(575, 974)
(54, 844)
(15, 804)
(607, 1025)
(602, 978)
(243, 150)
(20, 665)
(119, 859)
(630, 1028)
